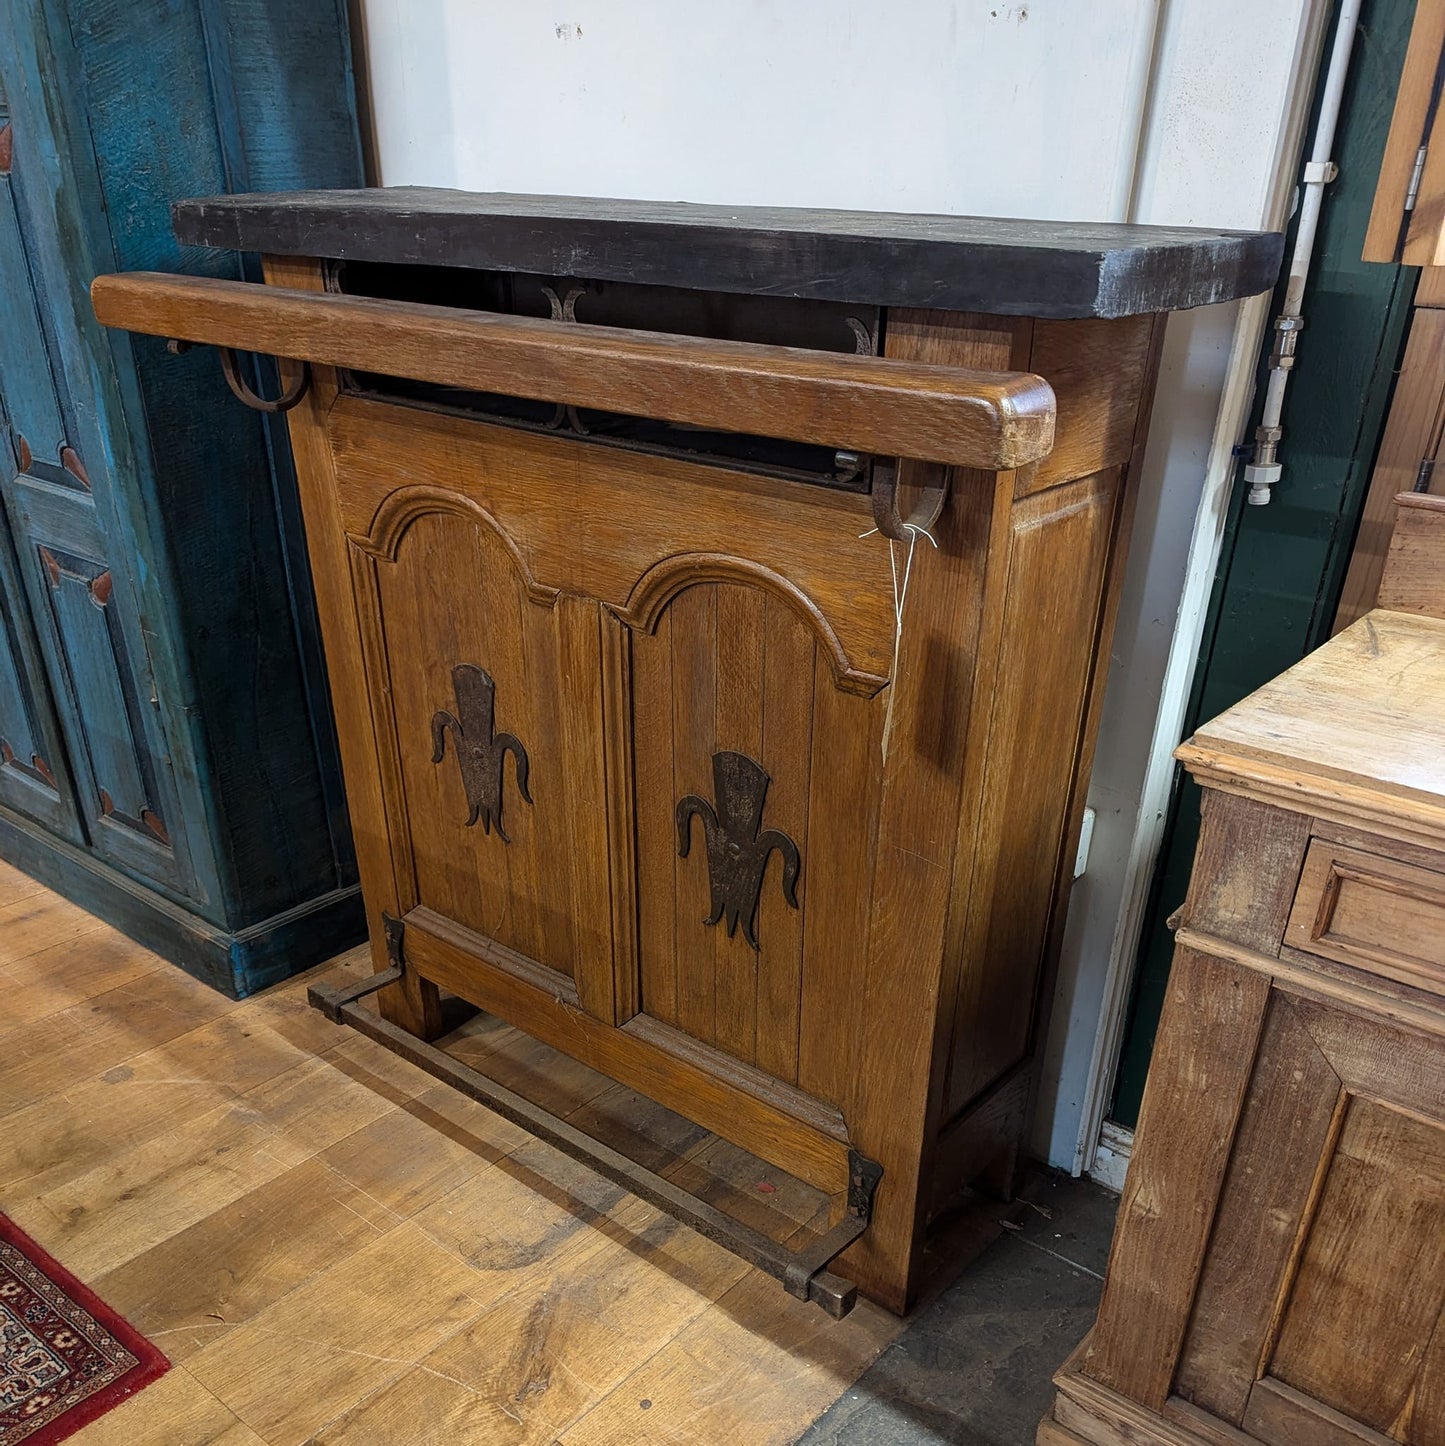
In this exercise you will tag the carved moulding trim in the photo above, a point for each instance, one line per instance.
(376, 672)
(662, 582)
(406, 505)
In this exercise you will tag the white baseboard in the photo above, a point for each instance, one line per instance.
(1111, 1156)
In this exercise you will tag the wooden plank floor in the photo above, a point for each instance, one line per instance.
(332, 1247)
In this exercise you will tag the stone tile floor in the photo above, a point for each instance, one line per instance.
(973, 1367)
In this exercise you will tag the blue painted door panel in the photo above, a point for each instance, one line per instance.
(34, 779)
(27, 777)
(89, 634)
(37, 431)
(65, 218)
(106, 693)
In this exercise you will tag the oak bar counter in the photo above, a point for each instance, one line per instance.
(717, 604)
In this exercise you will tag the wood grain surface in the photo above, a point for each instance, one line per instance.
(1412, 236)
(965, 416)
(330, 1246)
(1286, 1134)
(1208, 1035)
(1355, 727)
(1246, 870)
(961, 263)
(1373, 1267)
(1413, 580)
(1411, 436)
(1278, 1270)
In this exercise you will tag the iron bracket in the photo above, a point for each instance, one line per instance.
(932, 481)
(394, 932)
(230, 364)
(331, 1002)
(803, 1272)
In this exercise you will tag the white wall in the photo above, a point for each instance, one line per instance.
(1004, 107)
(1170, 111)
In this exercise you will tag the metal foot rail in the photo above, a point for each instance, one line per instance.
(803, 1272)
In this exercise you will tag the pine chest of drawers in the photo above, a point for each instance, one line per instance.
(1278, 1268)
(716, 605)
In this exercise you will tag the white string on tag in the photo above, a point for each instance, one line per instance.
(900, 597)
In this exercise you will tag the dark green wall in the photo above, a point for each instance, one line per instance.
(1282, 566)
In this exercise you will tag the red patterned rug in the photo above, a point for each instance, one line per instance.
(65, 1356)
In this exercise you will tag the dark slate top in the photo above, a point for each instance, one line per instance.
(961, 263)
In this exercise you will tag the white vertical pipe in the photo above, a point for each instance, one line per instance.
(1324, 143)
(1264, 471)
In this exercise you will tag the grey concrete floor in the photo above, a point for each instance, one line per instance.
(973, 1365)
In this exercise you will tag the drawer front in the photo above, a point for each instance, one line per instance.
(1373, 912)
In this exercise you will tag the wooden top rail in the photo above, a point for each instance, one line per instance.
(990, 420)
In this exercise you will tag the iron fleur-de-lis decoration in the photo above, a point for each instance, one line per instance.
(737, 853)
(480, 752)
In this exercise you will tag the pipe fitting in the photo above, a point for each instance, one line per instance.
(1287, 330)
(1261, 477)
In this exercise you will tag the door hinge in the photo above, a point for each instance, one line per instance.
(1412, 192)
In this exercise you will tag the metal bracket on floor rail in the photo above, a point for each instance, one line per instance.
(331, 1002)
(803, 1272)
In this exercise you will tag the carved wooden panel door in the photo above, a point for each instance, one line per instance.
(32, 772)
(616, 762)
(755, 769)
(89, 638)
(486, 696)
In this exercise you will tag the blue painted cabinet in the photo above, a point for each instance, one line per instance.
(167, 756)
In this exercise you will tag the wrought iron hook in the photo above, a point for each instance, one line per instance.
(237, 384)
(932, 481)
